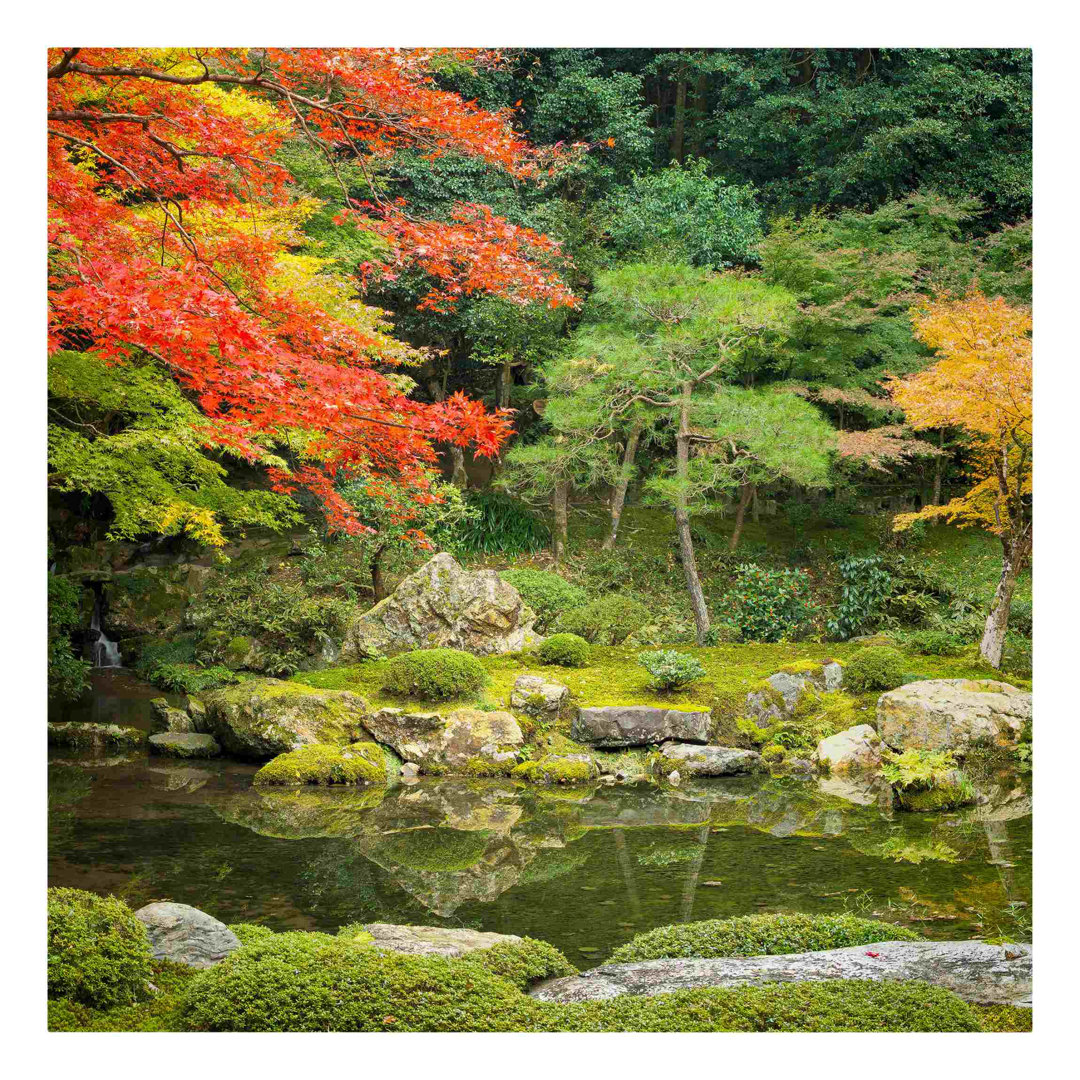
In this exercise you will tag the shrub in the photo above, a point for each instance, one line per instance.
(566, 650)
(770, 605)
(500, 524)
(68, 675)
(758, 935)
(434, 675)
(867, 585)
(300, 981)
(607, 621)
(522, 962)
(1020, 617)
(936, 643)
(928, 780)
(357, 763)
(670, 669)
(248, 933)
(877, 667)
(547, 594)
(189, 678)
(99, 954)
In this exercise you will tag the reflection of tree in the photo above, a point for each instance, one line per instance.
(692, 873)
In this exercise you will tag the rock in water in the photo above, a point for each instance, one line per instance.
(640, 725)
(952, 714)
(978, 972)
(184, 745)
(694, 760)
(449, 743)
(186, 935)
(443, 605)
(434, 940)
(857, 748)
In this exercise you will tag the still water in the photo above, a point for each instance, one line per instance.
(585, 869)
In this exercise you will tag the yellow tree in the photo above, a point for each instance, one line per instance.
(982, 384)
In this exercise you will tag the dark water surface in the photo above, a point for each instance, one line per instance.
(584, 869)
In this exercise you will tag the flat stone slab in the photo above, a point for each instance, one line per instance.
(184, 745)
(692, 759)
(186, 935)
(977, 972)
(434, 940)
(639, 725)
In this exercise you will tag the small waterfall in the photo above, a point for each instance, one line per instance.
(105, 653)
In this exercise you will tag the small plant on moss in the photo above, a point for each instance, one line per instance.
(546, 593)
(565, 650)
(773, 753)
(98, 952)
(877, 667)
(607, 621)
(918, 768)
(434, 675)
(671, 669)
(771, 605)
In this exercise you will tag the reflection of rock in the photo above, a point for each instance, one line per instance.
(184, 745)
(536, 696)
(857, 748)
(780, 693)
(454, 743)
(862, 790)
(693, 760)
(976, 971)
(443, 605)
(639, 725)
(434, 940)
(179, 778)
(952, 714)
(300, 813)
(186, 935)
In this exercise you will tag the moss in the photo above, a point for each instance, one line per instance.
(877, 667)
(480, 767)
(357, 763)
(523, 962)
(434, 674)
(81, 736)
(758, 935)
(774, 752)
(555, 770)
(435, 849)
(564, 650)
(250, 932)
(1003, 1017)
(99, 954)
(355, 933)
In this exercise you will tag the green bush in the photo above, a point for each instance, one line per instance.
(607, 621)
(300, 981)
(547, 594)
(758, 935)
(670, 669)
(248, 933)
(877, 667)
(770, 605)
(522, 963)
(867, 585)
(68, 675)
(99, 954)
(157, 1012)
(434, 675)
(566, 650)
(357, 763)
(935, 642)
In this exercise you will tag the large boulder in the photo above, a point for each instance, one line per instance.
(777, 697)
(534, 695)
(952, 714)
(186, 935)
(262, 718)
(856, 749)
(640, 725)
(976, 971)
(690, 759)
(465, 740)
(434, 940)
(443, 605)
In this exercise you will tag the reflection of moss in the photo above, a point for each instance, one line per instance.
(661, 855)
(903, 849)
(434, 849)
(549, 865)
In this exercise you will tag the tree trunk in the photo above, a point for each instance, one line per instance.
(938, 468)
(746, 493)
(559, 499)
(679, 131)
(378, 582)
(503, 385)
(458, 476)
(997, 622)
(754, 510)
(701, 104)
(618, 496)
(682, 518)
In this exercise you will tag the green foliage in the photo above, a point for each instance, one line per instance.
(770, 605)
(434, 675)
(876, 667)
(670, 669)
(565, 650)
(548, 594)
(501, 525)
(1003, 1017)
(357, 763)
(249, 933)
(154, 1012)
(188, 678)
(918, 768)
(523, 962)
(935, 642)
(758, 935)
(609, 620)
(99, 954)
(866, 586)
(68, 675)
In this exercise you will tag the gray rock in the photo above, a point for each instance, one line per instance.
(639, 725)
(952, 714)
(186, 935)
(695, 760)
(197, 711)
(778, 698)
(536, 696)
(975, 971)
(448, 743)
(163, 717)
(410, 771)
(434, 940)
(184, 745)
(856, 749)
(444, 605)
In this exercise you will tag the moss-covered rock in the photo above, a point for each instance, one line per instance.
(558, 769)
(184, 745)
(91, 736)
(356, 763)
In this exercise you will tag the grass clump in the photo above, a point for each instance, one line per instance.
(357, 763)
(99, 954)
(877, 667)
(564, 650)
(758, 935)
(546, 593)
(671, 669)
(607, 621)
(434, 674)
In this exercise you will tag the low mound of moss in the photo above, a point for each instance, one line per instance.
(301, 981)
(357, 763)
(565, 650)
(758, 935)
(99, 954)
(434, 849)
(877, 667)
(250, 932)
(840, 1005)
(552, 769)
(522, 963)
(434, 675)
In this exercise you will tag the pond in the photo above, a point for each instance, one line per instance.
(584, 868)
